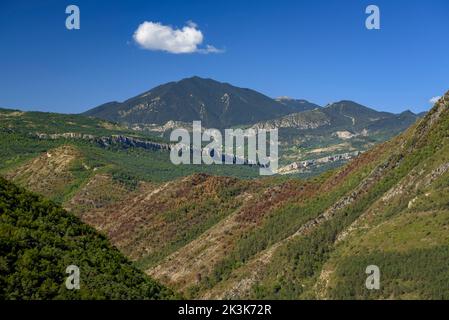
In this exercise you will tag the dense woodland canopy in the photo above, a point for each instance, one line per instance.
(38, 240)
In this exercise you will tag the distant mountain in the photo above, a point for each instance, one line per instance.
(396, 122)
(352, 113)
(343, 115)
(337, 130)
(221, 105)
(215, 103)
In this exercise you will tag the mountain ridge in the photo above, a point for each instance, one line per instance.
(216, 104)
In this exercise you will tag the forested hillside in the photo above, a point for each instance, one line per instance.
(39, 240)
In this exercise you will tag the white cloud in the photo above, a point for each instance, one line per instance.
(434, 100)
(210, 49)
(155, 36)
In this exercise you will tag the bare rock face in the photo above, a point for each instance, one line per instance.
(302, 121)
(122, 140)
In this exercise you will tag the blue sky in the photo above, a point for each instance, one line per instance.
(316, 50)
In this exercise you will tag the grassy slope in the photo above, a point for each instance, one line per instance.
(405, 232)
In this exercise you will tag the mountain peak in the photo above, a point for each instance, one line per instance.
(342, 102)
(408, 112)
(197, 78)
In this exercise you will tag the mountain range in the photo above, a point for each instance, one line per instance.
(221, 105)
(343, 115)
(221, 231)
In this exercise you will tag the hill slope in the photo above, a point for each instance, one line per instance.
(314, 239)
(390, 209)
(39, 240)
(56, 155)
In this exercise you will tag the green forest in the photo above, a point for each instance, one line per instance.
(39, 240)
